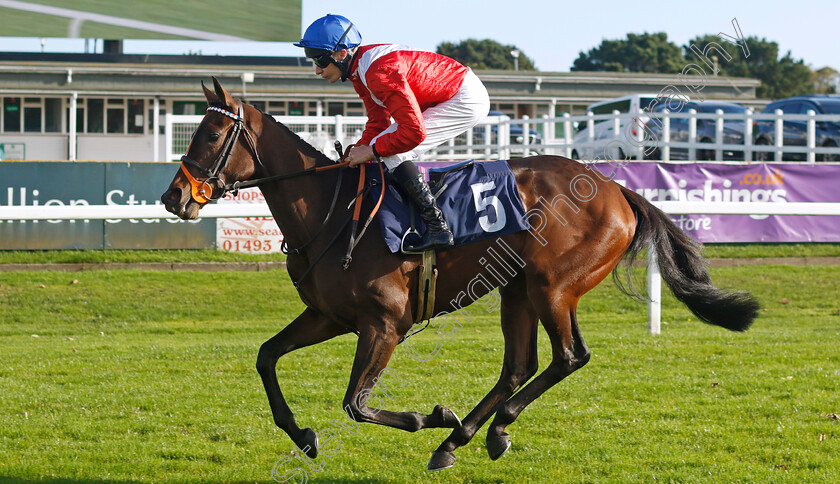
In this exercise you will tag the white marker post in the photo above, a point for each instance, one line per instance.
(654, 292)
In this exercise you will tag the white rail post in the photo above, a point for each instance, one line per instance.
(551, 127)
(73, 129)
(780, 134)
(499, 146)
(812, 136)
(339, 132)
(548, 132)
(504, 139)
(319, 115)
(488, 139)
(665, 152)
(526, 136)
(748, 135)
(719, 134)
(640, 139)
(156, 129)
(692, 134)
(654, 292)
(567, 135)
(168, 135)
(616, 123)
(469, 142)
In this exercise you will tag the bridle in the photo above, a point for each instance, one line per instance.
(203, 191)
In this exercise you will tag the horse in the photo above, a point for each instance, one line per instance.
(587, 224)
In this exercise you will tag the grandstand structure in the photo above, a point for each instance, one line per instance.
(119, 99)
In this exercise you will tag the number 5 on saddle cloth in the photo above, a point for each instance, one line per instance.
(479, 200)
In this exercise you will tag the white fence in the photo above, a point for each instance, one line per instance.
(500, 137)
(652, 131)
(224, 210)
(124, 212)
(322, 132)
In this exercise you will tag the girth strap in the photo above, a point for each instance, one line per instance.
(426, 287)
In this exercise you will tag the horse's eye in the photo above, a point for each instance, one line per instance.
(214, 136)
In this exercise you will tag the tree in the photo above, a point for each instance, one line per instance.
(780, 78)
(485, 54)
(639, 53)
(826, 80)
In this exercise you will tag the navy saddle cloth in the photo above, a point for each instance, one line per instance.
(479, 200)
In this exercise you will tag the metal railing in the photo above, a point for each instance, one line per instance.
(499, 137)
(483, 141)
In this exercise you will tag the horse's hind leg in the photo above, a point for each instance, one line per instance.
(569, 352)
(519, 327)
(373, 351)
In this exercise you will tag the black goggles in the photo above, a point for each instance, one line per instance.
(321, 58)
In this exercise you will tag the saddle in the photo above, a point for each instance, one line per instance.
(479, 200)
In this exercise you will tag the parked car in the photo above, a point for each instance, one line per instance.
(796, 132)
(605, 144)
(516, 133)
(733, 130)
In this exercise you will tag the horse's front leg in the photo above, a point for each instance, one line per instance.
(307, 329)
(373, 352)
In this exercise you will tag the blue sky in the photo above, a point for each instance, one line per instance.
(552, 33)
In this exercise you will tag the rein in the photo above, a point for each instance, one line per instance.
(361, 193)
(213, 188)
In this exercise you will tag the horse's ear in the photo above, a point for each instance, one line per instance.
(210, 95)
(225, 97)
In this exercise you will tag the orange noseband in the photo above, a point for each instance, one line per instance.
(201, 191)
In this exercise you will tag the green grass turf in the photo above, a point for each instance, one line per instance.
(149, 377)
(129, 256)
(105, 256)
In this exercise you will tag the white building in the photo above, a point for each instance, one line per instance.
(119, 100)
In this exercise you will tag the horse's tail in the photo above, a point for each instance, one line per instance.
(684, 269)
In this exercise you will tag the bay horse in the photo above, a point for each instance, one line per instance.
(576, 244)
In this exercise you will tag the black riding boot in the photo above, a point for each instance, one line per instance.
(438, 235)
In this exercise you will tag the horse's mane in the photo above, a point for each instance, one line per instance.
(305, 148)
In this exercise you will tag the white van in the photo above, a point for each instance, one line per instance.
(604, 143)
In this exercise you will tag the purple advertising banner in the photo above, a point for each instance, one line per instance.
(754, 182)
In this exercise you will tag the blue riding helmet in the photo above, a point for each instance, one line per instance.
(330, 33)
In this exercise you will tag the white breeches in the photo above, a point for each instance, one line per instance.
(446, 120)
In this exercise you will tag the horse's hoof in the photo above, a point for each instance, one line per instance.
(441, 460)
(498, 445)
(447, 417)
(308, 443)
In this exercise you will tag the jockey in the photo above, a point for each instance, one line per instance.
(432, 99)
